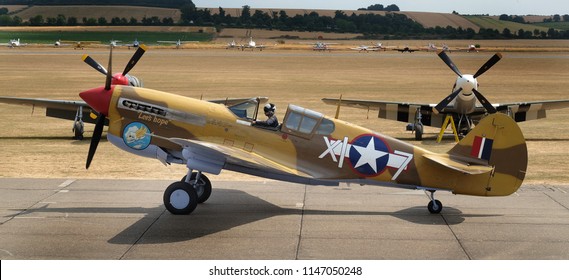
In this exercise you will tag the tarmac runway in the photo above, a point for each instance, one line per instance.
(126, 219)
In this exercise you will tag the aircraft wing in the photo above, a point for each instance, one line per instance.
(211, 158)
(526, 111)
(233, 101)
(62, 109)
(397, 111)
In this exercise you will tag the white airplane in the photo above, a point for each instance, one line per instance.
(374, 48)
(465, 104)
(252, 45)
(321, 46)
(178, 43)
(472, 48)
(135, 44)
(14, 43)
(232, 45)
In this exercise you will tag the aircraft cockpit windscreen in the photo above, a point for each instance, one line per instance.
(245, 110)
(304, 122)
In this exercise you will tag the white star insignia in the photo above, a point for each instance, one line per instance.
(369, 155)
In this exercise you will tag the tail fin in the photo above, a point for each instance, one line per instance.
(498, 142)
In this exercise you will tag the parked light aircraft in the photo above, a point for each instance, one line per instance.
(364, 48)
(178, 43)
(14, 43)
(321, 46)
(80, 112)
(307, 148)
(465, 103)
(252, 45)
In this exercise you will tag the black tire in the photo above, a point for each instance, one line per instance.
(203, 188)
(419, 132)
(435, 207)
(180, 198)
(78, 130)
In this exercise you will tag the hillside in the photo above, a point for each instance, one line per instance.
(493, 23)
(428, 20)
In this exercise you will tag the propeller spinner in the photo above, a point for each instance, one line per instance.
(100, 98)
(467, 84)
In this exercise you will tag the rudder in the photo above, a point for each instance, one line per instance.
(497, 141)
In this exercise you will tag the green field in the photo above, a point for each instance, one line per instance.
(562, 25)
(488, 22)
(49, 37)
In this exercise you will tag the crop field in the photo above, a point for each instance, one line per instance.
(490, 22)
(32, 145)
(49, 37)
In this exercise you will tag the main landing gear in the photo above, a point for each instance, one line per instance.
(182, 198)
(434, 205)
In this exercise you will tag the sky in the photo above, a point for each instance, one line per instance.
(492, 7)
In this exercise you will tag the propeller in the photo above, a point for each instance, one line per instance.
(485, 103)
(99, 98)
(446, 101)
(132, 62)
(495, 58)
(443, 55)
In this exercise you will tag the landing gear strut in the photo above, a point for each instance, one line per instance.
(78, 126)
(434, 205)
(182, 198)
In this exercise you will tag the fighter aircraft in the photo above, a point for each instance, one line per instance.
(406, 49)
(307, 148)
(465, 104)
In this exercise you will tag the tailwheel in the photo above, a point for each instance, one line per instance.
(435, 206)
(202, 185)
(180, 198)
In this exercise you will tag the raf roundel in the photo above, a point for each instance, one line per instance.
(369, 155)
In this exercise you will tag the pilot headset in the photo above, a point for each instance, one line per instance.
(269, 107)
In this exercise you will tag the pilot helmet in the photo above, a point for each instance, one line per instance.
(269, 107)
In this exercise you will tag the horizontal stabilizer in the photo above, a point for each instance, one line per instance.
(458, 165)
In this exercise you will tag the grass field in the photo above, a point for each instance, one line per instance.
(49, 37)
(489, 22)
(32, 145)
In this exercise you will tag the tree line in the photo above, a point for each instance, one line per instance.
(372, 26)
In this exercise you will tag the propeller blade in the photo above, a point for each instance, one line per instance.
(135, 57)
(489, 108)
(443, 55)
(495, 58)
(87, 59)
(95, 139)
(109, 73)
(446, 101)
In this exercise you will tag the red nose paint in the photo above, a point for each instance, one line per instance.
(119, 79)
(98, 98)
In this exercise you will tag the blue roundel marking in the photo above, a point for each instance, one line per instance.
(136, 135)
(369, 155)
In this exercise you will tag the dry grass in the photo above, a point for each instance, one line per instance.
(36, 146)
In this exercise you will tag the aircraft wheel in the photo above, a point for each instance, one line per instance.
(78, 129)
(419, 132)
(180, 198)
(435, 206)
(202, 188)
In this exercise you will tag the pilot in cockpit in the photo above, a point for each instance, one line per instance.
(272, 120)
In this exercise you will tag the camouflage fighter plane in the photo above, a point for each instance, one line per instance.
(74, 109)
(306, 148)
(465, 103)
